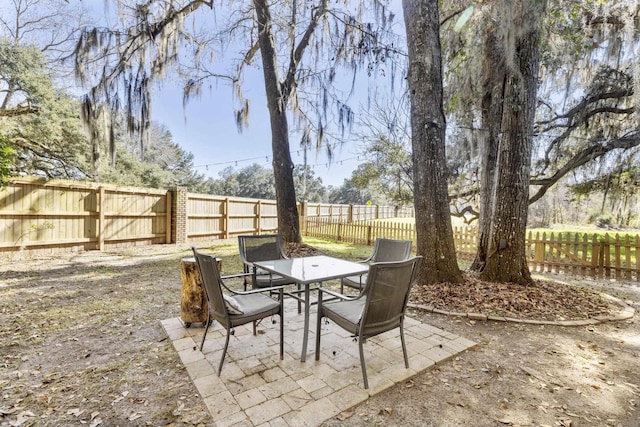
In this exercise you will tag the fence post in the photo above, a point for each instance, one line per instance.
(168, 217)
(350, 214)
(303, 208)
(225, 221)
(259, 217)
(180, 215)
(606, 255)
(596, 257)
(101, 218)
(303, 217)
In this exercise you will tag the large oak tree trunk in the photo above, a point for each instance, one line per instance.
(506, 257)
(288, 220)
(493, 83)
(433, 219)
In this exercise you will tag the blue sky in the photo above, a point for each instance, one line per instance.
(207, 129)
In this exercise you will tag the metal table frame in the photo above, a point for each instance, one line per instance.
(306, 271)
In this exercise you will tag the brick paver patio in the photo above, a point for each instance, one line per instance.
(256, 388)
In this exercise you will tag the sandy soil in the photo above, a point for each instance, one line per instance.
(81, 344)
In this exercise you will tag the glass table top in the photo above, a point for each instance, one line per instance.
(312, 269)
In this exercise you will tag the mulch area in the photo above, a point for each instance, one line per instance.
(544, 300)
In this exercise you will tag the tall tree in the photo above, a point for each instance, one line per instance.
(301, 43)
(428, 125)
(278, 94)
(386, 153)
(38, 116)
(348, 193)
(166, 164)
(515, 53)
(585, 122)
(38, 122)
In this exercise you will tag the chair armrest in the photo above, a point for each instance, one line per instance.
(336, 294)
(246, 265)
(234, 276)
(257, 290)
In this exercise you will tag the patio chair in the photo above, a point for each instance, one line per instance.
(384, 250)
(379, 308)
(264, 247)
(238, 308)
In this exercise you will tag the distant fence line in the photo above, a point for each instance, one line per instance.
(53, 216)
(586, 255)
(57, 215)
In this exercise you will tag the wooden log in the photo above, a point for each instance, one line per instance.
(193, 300)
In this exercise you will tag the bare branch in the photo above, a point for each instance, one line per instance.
(316, 15)
(583, 157)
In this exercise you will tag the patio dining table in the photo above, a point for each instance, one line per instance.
(307, 271)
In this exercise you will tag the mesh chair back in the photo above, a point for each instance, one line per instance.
(389, 250)
(212, 285)
(387, 293)
(260, 248)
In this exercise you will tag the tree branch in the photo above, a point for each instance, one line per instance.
(296, 56)
(586, 155)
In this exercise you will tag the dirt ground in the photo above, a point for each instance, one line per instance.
(81, 344)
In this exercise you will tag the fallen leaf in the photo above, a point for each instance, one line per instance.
(75, 411)
(135, 416)
(23, 417)
(346, 414)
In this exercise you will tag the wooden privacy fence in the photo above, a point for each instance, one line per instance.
(58, 215)
(52, 216)
(587, 255)
(217, 217)
(351, 213)
(47, 215)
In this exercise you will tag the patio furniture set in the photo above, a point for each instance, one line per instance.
(383, 282)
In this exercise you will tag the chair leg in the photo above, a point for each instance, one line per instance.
(206, 329)
(318, 325)
(281, 334)
(299, 302)
(404, 346)
(224, 351)
(255, 328)
(281, 301)
(362, 364)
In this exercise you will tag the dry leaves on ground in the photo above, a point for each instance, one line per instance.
(544, 300)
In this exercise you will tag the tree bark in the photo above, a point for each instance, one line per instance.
(288, 219)
(506, 256)
(493, 82)
(428, 124)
